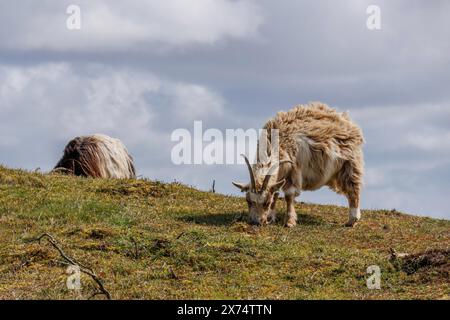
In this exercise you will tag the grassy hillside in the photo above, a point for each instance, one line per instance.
(149, 240)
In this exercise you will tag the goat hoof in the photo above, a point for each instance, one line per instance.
(290, 224)
(350, 223)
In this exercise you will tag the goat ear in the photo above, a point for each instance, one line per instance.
(242, 186)
(278, 185)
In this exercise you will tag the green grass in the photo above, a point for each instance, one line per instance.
(150, 240)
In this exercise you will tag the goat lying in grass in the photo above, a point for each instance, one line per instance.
(318, 146)
(97, 156)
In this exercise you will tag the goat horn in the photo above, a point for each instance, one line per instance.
(269, 173)
(267, 177)
(252, 174)
(265, 182)
(257, 152)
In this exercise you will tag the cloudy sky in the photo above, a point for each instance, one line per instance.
(137, 70)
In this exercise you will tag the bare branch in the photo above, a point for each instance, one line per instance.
(136, 248)
(72, 261)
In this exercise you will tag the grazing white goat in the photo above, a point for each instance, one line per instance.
(97, 156)
(318, 146)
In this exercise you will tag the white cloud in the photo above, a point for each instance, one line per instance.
(51, 103)
(429, 140)
(415, 127)
(195, 102)
(123, 24)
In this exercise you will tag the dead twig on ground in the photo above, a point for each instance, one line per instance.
(136, 248)
(72, 261)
